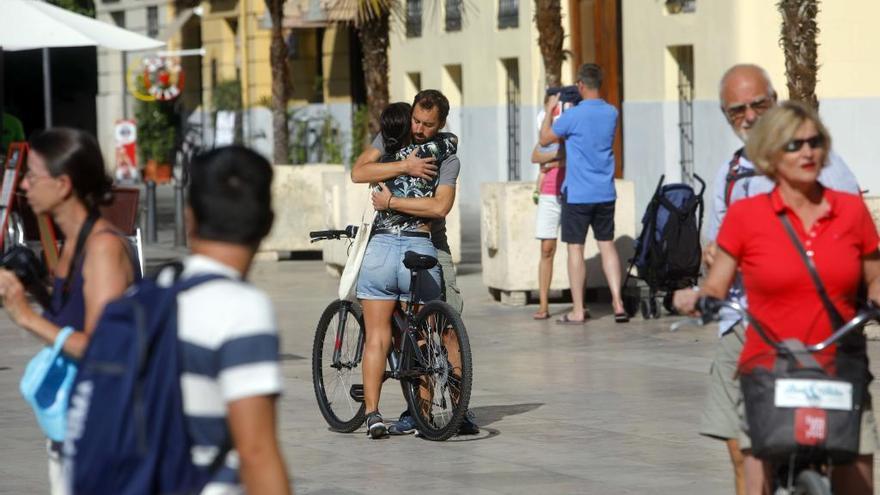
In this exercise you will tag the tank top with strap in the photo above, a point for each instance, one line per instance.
(68, 306)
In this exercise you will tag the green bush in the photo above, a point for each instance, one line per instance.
(360, 130)
(157, 129)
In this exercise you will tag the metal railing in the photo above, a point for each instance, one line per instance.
(413, 18)
(453, 15)
(508, 14)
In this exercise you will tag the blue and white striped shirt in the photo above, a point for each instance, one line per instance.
(229, 351)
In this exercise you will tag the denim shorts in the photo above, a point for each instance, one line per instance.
(383, 276)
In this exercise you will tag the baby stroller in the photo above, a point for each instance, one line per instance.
(667, 253)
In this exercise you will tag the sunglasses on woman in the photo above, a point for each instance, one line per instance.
(813, 142)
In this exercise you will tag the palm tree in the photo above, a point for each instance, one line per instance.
(548, 20)
(280, 84)
(371, 21)
(798, 40)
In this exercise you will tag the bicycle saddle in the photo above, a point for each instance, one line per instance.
(416, 261)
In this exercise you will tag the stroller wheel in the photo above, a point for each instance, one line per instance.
(645, 309)
(630, 305)
(655, 308)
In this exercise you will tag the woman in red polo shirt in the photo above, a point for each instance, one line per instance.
(790, 145)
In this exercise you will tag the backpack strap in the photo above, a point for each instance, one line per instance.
(833, 314)
(78, 255)
(735, 173)
(799, 353)
(184, 285)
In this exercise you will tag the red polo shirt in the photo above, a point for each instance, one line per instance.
(780, 291)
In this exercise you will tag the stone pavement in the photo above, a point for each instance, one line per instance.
(600, 409)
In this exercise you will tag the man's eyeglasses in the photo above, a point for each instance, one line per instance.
(737, 112)
(813, 142)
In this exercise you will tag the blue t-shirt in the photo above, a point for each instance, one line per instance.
(588, 130)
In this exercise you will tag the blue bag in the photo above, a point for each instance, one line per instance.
(126, 426)
(46, 386)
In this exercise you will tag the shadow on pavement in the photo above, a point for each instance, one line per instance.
(486, 415)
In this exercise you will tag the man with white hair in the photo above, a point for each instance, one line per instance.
(745, 93)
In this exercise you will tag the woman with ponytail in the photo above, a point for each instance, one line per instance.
(67, 180)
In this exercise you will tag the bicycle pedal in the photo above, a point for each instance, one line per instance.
(357, 392)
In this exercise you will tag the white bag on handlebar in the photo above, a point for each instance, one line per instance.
(348, 280)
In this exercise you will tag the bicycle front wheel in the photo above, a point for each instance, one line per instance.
(438, 371)
(336, 366)
(810, 482)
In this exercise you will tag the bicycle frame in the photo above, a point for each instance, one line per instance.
(402, 328)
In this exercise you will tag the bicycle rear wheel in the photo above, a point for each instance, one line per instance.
(438, 371)
(336, 366)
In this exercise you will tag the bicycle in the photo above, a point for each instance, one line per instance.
(430, 356)
(807, 467)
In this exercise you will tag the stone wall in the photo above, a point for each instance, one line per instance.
(510, 252)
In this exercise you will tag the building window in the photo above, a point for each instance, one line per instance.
(511, 69)
(681, 6)
(118, 18)
(413, 18)
(684, 61)
(508, 14)
(153, 22)
(413, 85)
(453, 15)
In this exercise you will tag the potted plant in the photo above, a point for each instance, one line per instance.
(156, 137)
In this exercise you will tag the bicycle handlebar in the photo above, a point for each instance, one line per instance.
(709, 308)
(321, 235)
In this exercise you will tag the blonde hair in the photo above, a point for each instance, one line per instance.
(775, 129)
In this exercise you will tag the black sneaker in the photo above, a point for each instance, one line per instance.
(468, 427)
(404, 426)
(375, 426)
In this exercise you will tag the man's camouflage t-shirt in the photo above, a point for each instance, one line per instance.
(406, 186)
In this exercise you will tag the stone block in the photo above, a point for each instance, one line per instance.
(299, 205)
(510, 252)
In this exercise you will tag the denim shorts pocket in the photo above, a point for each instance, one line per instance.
(375, 256)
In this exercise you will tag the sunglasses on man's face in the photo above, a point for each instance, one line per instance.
(737, 112)
(813, 142)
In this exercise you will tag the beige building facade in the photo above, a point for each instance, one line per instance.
(234, 37)
(485, 59)
(673, 62)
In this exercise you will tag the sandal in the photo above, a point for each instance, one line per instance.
(565, 320)
(541, 315)
(621, 318)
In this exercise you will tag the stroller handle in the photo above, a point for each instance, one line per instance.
(709, 308)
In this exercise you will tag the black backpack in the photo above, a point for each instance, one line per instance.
(668, 252)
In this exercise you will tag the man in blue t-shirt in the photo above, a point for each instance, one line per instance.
(588, 190)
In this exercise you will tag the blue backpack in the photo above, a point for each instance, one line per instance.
(126, 430)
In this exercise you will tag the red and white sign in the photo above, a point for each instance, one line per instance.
(126, 151)
(810, 426)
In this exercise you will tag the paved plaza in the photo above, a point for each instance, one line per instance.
(600, 409)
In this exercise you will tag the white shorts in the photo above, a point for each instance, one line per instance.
(548, 216)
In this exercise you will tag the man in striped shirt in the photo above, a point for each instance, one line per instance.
(230, 377)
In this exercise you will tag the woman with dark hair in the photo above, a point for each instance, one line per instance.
(383, 280)
(66, 179)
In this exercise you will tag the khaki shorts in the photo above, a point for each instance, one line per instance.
(720, 418)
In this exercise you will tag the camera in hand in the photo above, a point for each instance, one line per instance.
(567, 94)
(21, 261)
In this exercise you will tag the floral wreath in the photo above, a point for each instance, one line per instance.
(162, 79)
